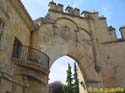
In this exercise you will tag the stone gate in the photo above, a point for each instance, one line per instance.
(84, 37)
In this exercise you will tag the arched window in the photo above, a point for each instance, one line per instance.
(16, 48)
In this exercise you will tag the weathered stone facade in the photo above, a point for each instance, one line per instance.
(86, 38)
(18, 72)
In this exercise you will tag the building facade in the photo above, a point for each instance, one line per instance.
(28, 48)
(21, 71)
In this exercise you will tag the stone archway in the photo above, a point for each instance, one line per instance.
(64, 37)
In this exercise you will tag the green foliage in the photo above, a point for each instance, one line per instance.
(72, 83)
(69, 80)
(76, 81)
(56, 87)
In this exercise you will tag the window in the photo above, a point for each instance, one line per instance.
(16, 48)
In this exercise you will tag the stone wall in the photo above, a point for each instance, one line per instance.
(72, 35)
(17, 25)
(85, 37)
(88, 30)
(82, 84)
(14, 27)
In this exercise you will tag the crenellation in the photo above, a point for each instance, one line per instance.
(59, 7)
(85, 14)
(76, 12)
(110, 28)
(52, 6)
(95, 15)
(69, 10)
(102, 18)
(112, 33)
(122, 29)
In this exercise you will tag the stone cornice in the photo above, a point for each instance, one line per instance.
(20, 9)
(10, 78)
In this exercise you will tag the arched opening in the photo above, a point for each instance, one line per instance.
(16, 48)
(65, 37)
(58, 73)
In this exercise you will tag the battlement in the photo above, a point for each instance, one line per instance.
(76, 11)
(70, 10)
(122, 29)
(110, 28)
(112, 33)
(102, 18)
(60, 7)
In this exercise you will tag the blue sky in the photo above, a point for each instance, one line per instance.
(112, 9)
(59, 68)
